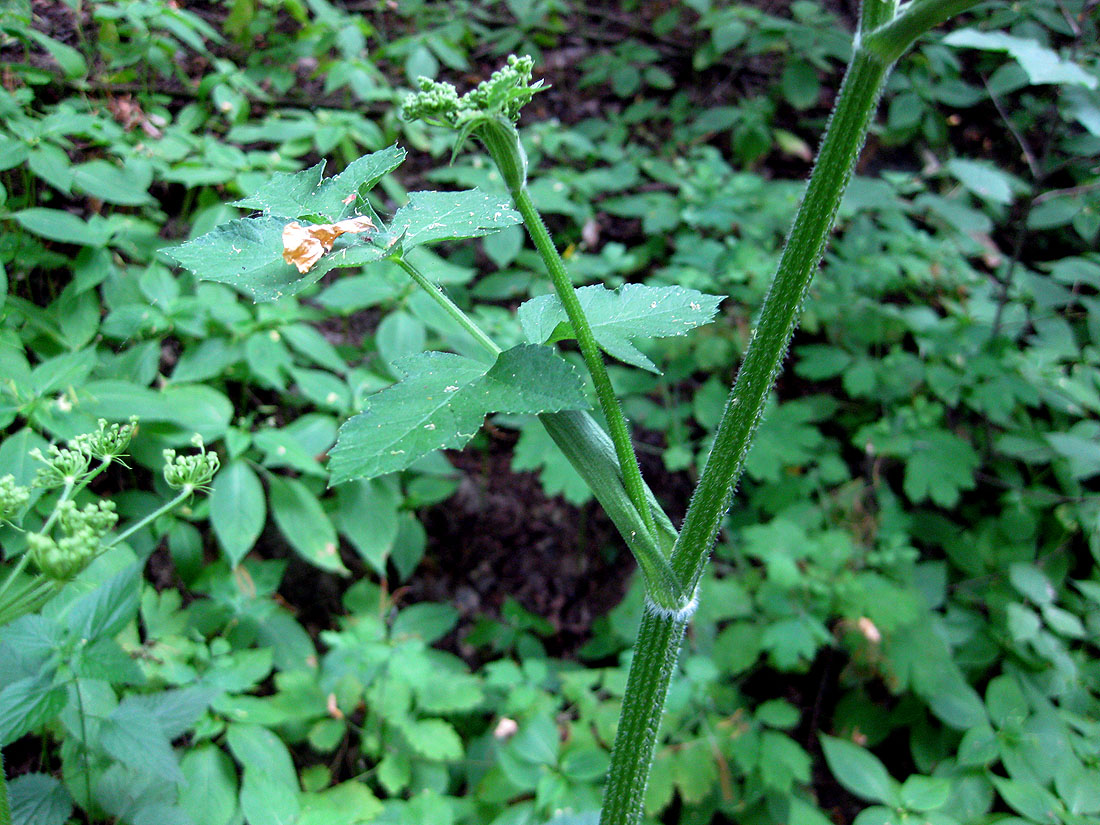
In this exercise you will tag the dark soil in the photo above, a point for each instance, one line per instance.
(500, 536)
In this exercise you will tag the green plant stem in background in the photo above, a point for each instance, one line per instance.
(660, 634)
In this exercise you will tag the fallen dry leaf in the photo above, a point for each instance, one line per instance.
(304, 246)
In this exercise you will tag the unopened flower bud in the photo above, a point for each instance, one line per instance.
(12, 497)
(190, 472)
(62, 466)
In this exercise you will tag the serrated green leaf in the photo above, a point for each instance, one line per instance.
(39, 799)
(307, 194)
(134, 737)
(430, 217)
(27, 703)
(304, 523)
(441, 402)
(618, 317)
(108, 608)
(432, 738)
(942, 464)
(248, 254)
(350, 803)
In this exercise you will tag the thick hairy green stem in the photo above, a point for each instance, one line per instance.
(660, 634)
(839, 150)
(5, 805)
(655, 655)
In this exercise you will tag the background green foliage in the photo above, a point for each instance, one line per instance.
(902, 617)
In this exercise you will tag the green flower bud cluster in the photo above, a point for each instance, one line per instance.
(62, 465)
(190, 472)
(108, 442)
(504, 94)
(12, 497)
(83, 530)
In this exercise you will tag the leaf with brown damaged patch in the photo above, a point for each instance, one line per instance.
(304, 246)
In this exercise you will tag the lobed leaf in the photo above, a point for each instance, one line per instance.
(307, 194)
(619, 317)
(430, 217)
(248, 254)
(440, 404)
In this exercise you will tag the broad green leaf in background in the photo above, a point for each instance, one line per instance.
(209, 788)
(620, 316)
(367, 515)
(69, 60)
(258, 748)
(39, 799)
(237, 510)
(349, 803)
(441, 402)
(304, 523)
(859, 771)
(104, 180)
(58, 225)
(302, 194)
(1042, 65)
(430, 217)
(941, 465)
(194, 408)
(133, 736)
(983, 179)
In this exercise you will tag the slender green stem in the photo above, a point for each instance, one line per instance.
(65, 493)
(88, 479)
(184, 494)
(593, 359)
(587, 447)
(5, 805)
(436, 292)
(14, 574)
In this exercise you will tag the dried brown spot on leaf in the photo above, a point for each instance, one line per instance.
(304, 246)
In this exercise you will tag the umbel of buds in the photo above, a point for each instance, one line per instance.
(63, 465)
(190, 472)
(82, 536)
(108, 442)
(488, 112)
(507, 91)
(13, 498)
